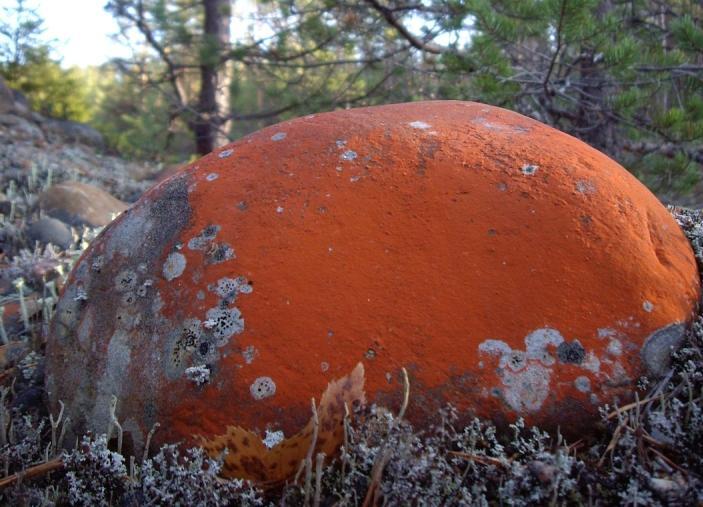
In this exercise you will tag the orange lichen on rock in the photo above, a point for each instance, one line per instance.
(512, 269)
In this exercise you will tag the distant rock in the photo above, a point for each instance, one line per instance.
(22, 129)
(7, 100)
(21, 102)
(80, 204)
(50, 230)
(72, 132)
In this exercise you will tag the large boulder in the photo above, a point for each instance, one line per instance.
(512, 269)
(79, 203)
(67, 131)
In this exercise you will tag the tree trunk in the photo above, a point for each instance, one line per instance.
(211, 126)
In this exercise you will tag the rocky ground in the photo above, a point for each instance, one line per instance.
(57, 189)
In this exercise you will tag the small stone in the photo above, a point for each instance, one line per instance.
(50, 230)
(80, 204)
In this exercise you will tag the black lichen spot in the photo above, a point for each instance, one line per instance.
(204, 348)
(210, 231)
(572, 353)
(126, 280)
(220, 253)
(186, 341)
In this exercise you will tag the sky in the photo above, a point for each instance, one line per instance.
(81, 29)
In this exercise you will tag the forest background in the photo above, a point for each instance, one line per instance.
(624, 76)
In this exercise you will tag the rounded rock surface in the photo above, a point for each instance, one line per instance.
(512, 269)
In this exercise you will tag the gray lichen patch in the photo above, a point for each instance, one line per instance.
(174, 266)
(126, 280)
(203, 240)
(128, 298)
(262, 387)
(212, 176)
(278, 136)
(647, 306)
(657, 349)
(113, 271)
(225, 153)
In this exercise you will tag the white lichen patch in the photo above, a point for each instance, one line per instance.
(525, 391)
(212, 176)
(585, 187)
(648, 306)
(348, 155)
(340, 143)
(278, 136)
(614, 348)
(538, 342)
(420, 125)
(324, 366)
(224, 323)
(583, 384)
(225, 153)
(203, 240)
(263, 387)
(98, 263)
(249, 353)
(273, 438)
(230, 287)
(591, 363)
(198, 374)
(606, 332)
(81, 294)
(529, 169)
(526, 375)
(174, 266)
(496, 348)
(279, 209)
